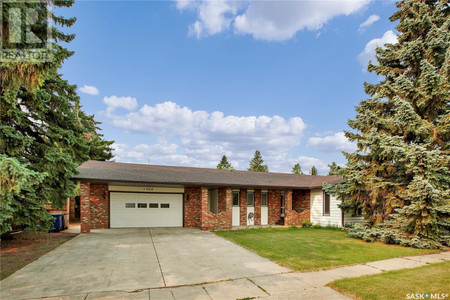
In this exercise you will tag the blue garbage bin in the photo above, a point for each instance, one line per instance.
(58, 223)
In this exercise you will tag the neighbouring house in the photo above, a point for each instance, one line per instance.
(118, 195)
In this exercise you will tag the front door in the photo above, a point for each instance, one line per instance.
(264, 209)
(250, 208)
(282, 205)
(236, 212)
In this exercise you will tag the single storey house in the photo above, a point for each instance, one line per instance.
(118, 195)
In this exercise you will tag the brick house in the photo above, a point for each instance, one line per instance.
(117, 195)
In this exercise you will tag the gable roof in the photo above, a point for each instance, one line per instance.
(102, 171)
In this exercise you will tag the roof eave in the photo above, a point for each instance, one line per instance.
(97, 180)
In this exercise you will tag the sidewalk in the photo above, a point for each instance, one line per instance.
(292, 285)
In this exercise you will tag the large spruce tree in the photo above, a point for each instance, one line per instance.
(224, 164)
(400, 173)
(334, 168)
(44, 134)
(257, 163)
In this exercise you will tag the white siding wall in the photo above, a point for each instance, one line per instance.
(317, 217)
(348, 219)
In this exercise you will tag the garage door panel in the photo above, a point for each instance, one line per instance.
(121, 216)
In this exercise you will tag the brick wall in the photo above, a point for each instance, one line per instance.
(301, 201)
(72, 209)
(192, 207)
(243, 206)
(301, 208)
(222, 203)
(99, 206)
(85, 207)
(274, 206)
(94, 206)
(257, 207)
(221, 220)
(287, 207)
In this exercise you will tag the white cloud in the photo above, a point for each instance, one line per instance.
(389, 37)
(370, 20)
(332, 143)
(170, 118)
(114, 102)
(281, 20)
(89, 89)
(306, 162)
(143, 152)
(213, 17)
(203, 137)
(265, 20)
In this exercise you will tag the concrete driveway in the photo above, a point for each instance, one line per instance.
(135, 259)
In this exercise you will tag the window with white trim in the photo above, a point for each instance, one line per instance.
(250, 199)
(236, 198)
(326, 204)
(263, 199)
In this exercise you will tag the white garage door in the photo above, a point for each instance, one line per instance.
(146, 210)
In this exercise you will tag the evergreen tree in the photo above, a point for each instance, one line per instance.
(400, 172)
(44, 135)
(256, 164)
(224, 164)
(334, 169)
(313, 171)
(297, 169)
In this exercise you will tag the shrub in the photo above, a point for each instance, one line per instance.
(306, 224)
(388, 236)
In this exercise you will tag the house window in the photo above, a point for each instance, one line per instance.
(153, 205)
(250, 199)
(263, 199)
(326, 204)
(130, 205)
(235, 198)
(165, 205)
(357, 212)
(282, 205)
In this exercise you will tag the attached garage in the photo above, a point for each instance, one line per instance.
(146, 210)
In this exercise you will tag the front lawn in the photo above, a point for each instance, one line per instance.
(432, 279)
(26, 247)
(306, 249)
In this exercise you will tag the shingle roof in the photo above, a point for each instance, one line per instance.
(102, 171)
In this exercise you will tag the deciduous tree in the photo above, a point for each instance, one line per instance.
(297, 169)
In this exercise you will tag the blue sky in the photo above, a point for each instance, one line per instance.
(182, 83)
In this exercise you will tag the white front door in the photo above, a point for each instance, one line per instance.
(264, 209)
(236, 211)
(146, 210)
(250, 208)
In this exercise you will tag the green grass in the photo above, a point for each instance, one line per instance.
(307, 249)
(431, 279)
